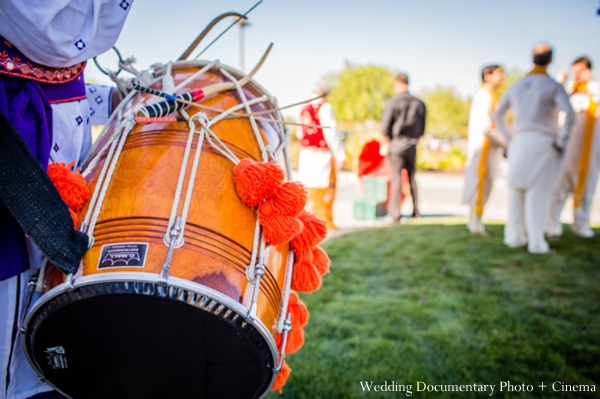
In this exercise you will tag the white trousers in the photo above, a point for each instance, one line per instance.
(527, 213)
(14, 292)
(581, 215)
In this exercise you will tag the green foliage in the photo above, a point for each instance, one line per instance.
(426, 301)
(447, 113)
(452, 160)
(360, 92)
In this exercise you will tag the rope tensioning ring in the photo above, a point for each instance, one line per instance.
(105, 71)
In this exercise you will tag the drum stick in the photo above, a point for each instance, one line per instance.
(152, 91)
(158, 120)
(163, 108)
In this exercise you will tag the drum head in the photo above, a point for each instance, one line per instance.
(141, 340)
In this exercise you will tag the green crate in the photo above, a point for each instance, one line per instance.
(375, 188)
(367, 209)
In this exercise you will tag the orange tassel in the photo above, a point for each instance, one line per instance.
(305, 276)
(278, 228)
(255, 181)
(282, 377)
(71, 186)
(295, 340)
(298, 310)
(290, 198)
(321, 260)
(314, 230)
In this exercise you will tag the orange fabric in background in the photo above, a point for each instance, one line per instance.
(482, 167)
(586, 149)
(320, 200)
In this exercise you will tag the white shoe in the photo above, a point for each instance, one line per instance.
(585, 232)
(542, 248)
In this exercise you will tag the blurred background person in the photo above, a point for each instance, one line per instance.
(485, 148)
(403, 123)
(322, 154)
(534, 150)
(581, 164)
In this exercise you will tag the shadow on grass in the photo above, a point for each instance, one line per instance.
(428, 302)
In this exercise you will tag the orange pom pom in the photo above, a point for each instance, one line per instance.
(305, 276)
(255, 181)
(290, 198)
(321, 260)
(278, 228)
(71, 186)
(298, 310)
(282, 377)
(314, 230)
(295, 340)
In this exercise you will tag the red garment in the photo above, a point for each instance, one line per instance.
(312, 136)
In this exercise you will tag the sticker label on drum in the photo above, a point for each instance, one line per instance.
(56, 357)
(127, 254)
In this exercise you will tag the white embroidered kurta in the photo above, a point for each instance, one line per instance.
(567, 180)
(533, 162)
(314, 166)
(54, 33)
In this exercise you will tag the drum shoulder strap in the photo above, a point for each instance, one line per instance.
(35, 203)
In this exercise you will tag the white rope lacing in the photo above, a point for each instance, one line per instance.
(180, 180)
(125, 126)
(168, 84)
(195, 75)
(266, 155)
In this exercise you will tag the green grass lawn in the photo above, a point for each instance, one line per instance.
(425, 301)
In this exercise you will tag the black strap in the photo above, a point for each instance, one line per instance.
(33, 200)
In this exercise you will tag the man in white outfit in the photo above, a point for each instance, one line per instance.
(484, 149)
(44, 46)
(534, 151)
(581, 165)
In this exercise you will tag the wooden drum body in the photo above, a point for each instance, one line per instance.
(119, 330)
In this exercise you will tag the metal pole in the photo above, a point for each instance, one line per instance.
(243, 24)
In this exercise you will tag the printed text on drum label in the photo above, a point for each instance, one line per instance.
(128, 254)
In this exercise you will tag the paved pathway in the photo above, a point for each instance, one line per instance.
(440, 195)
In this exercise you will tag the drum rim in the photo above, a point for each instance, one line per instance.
(137, 277)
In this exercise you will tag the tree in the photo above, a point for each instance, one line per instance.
(359, 92)
(447, 113)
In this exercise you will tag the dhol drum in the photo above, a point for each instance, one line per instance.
(178, 295)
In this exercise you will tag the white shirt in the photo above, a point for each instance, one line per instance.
(61, 33)
(480, 119)
(536, 100)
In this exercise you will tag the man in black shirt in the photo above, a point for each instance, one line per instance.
(403, 123)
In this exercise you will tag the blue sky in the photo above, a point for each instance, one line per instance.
(436, 42)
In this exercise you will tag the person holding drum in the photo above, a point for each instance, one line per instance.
(43, 49)
(322, 154)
